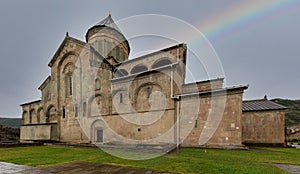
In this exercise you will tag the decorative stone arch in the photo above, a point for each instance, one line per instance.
(51, 115)
(32, 116)
(67, 73)
(25, 117)
(69, 68)
(61, 69)
(141, 94)
(161, 62)
(138, 69)
(92, 108)
(97, 130)
(121, 73)
(115, 91)
(41, 115)
(66, 56)
(122, 98)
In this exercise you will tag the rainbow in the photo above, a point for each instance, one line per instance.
(243, 15)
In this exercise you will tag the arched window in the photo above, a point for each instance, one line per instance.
(51, 114)
(149, 96)
(48, 95)
(138, 69)
(41, 116)
(148, 92)
(25, 117)
(97, 84)
(161, 63)
(84, 108)
(121, 73)
(70, 85)
(32, 116)
(121, 98)
(76, 110)
(68, 71)
(64, 112)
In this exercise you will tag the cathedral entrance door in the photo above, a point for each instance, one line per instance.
(99, 136)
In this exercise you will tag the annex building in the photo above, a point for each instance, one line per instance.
(141, 100)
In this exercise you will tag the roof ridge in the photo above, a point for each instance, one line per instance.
(254, 100)
(109, 22)
(261, 105)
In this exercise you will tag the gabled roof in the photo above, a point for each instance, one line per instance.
(32, 102)
(261, 105)
(152, 54)
(60, 48)
(215, 91)
(43, 85)
(109, 22)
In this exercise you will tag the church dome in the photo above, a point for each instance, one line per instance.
(107, 38)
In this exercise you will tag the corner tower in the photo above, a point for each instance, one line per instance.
(108, 40)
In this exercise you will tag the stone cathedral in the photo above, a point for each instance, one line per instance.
(95, 94)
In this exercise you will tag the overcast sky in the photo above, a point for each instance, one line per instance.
(257, 41)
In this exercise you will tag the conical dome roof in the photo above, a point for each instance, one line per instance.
(108, 22)
(108, 39)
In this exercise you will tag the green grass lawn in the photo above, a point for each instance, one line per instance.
(187, 161)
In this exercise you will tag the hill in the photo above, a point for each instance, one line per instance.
(293, 113)
(11, 122)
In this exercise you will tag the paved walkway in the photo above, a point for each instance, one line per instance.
(94, 168)
(75, 167)
(8, 168)
(294, 169)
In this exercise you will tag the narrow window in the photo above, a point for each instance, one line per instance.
(48, 95)
(64, 112)
(97, 84)
(121, 98)
(104, 48)
(196, 123)
(100, 47)
(70, 85)
(118, 53)
(84, 108)
(30, 119)
(76, 110)
(148, 92)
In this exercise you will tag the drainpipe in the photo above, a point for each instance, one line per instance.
(176, 99)
(172, 76)
(177, 124)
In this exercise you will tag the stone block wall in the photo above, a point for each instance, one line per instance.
(216, 123)
(263, 127)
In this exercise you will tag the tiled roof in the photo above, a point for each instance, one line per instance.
(261, 105)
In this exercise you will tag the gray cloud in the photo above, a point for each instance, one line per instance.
(264, 54)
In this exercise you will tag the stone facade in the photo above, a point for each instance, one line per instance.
(138, 100)
(263, 123)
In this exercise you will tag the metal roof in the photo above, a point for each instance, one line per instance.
(109, 22)
(261, 105)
